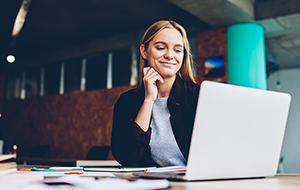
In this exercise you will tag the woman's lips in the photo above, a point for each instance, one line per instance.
(168, 63)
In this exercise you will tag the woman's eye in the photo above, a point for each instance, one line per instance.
(178, 50)
(160, 47)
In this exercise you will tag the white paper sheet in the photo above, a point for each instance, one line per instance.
(83, 183)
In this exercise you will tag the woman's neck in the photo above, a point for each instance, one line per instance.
(165, 88)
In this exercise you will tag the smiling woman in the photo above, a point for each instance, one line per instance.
(165, 53)
(153, 123)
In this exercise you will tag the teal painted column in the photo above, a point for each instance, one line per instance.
(246, 55)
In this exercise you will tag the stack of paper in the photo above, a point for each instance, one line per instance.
(84, 163)
(7, 165)
(167, 169)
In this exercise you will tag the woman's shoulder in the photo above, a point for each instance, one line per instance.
(181, 81)
(193, 88)
(192, 84)
(189, 85)
(128, 103)
(130, 95)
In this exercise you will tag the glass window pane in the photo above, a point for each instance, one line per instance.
(122, 67)
(32, 82)
(72, 75)
(96, 72)
(52, 79)
(13, 84)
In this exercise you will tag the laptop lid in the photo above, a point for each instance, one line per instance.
(238, 132)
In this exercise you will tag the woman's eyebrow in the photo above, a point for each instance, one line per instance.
(162, 42)
(179, 45)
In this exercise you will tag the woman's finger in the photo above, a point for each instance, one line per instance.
(154, 76)
(146, 70)
(151, 72)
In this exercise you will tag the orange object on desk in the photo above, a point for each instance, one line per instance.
(74, 173)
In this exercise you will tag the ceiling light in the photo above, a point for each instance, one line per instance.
(20, 19)
(10, 58)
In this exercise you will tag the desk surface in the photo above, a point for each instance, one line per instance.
(279, 182)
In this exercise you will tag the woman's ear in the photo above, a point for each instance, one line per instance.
(143, 51)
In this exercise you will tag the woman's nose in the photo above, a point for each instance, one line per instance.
(169, 55)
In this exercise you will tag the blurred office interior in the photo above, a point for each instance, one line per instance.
(73, 58)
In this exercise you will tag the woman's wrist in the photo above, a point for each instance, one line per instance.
(149, 100)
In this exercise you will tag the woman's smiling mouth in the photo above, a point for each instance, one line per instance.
(167, 63)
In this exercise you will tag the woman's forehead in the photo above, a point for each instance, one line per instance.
(169, 36)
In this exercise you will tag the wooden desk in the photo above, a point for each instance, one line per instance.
(279, 182)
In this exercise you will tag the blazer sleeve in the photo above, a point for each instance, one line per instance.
(129, 143)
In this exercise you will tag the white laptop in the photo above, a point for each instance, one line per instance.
(238, 133)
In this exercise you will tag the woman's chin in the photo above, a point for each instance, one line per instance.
(168, 75)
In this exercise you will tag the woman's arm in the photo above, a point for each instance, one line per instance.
(150, 79)
(131, 134)
(130, 144)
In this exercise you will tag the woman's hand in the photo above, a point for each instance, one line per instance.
(150, 79)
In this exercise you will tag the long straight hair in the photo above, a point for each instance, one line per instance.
(185, 72)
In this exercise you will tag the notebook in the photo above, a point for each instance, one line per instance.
(238, 133)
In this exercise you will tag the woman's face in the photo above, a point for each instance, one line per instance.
(165, 52)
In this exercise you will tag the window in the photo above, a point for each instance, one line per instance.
(32, 82)
(72, 75)
(96, 72)
(13, 84)
(52, 78)
(121, 67)
(75, 74)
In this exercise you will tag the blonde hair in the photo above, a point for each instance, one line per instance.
(185, 71)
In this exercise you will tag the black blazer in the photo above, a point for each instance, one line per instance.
(130, 144)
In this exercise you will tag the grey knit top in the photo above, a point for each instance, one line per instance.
(164, 148)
